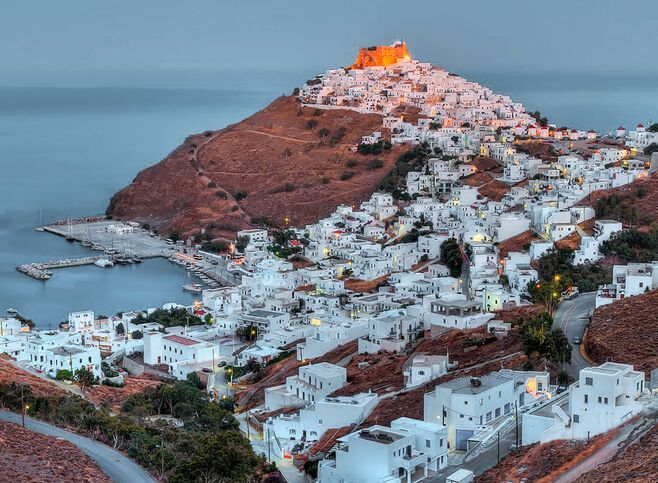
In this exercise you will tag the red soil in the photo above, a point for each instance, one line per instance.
(625, 332)
(285, 168)
(40, 387)
(33, 457)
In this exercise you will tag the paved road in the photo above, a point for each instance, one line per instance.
(115, 465)
(572, 317)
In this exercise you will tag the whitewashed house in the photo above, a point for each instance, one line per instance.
(603, 397)
(408, 451)
(471, 408)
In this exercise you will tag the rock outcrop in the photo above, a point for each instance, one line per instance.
(286, 163)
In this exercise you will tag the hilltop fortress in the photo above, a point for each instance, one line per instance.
(381, 55)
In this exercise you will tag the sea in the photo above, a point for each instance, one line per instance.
(66, 148)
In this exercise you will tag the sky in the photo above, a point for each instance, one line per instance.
(92, 41)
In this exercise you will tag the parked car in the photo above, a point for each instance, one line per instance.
(577, 340)
(561, 389)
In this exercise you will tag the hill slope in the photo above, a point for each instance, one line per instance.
(284, 161)
(625, 331)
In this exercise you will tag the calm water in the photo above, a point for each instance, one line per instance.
(65, 151)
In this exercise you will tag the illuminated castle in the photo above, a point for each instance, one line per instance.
(381, 55)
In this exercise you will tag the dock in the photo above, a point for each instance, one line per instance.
(124, 243)
(42, 270)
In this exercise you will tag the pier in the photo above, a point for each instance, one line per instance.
(124, 243)
(42, 271)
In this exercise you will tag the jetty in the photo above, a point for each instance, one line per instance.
(42, 270)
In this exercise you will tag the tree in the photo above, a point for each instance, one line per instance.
(137, 334)
(220, 456)
(215, 418)
(324, 132)
(653, 127)
(651, 148)
(563, 377)
(120, 330)
(194, 380)
(311, 124)
(286, 153)
(451, 256)
(85, 378)
(557, 348)
(64, 375)
(241, 243)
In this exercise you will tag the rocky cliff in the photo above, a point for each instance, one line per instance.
(284, 163)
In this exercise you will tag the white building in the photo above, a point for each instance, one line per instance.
(312, 383)
(311, 422)
(628, 281)
(454, 313)
(423, 368)
(471, 408)
(72, 358)
(604, 397)
(183, 354)
(408, 451)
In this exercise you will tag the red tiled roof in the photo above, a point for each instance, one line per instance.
(181, 340)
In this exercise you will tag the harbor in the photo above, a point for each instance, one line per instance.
(118, 243)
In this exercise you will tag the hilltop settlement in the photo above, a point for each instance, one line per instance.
(458, 302)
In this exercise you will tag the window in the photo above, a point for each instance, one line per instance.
(466, 403)
(489, 416)
(586, 398)
(605, 400)
(497, 412)
(319, 421)
(461, 416)
(588, 381)
(576, 418)
(441, 442)
(428, 443)
(421, 373)
(600, 399)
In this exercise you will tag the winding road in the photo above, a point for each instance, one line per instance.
(572, 317)
(115, 465)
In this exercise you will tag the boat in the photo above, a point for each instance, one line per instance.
(86, 243)
(12, 311)
(137, 260)
(193, 287)
(123, 260)
(104, 263)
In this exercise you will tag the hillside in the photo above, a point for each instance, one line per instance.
(625, 331)
(285, 161)
(28, 456)
(635, 203)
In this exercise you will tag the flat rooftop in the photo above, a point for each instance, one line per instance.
(380, 436)
(66, 351)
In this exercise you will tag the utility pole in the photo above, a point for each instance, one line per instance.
(248, 435)
(269, 455)
(516, 417)
(24, 407)
(498, 446)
